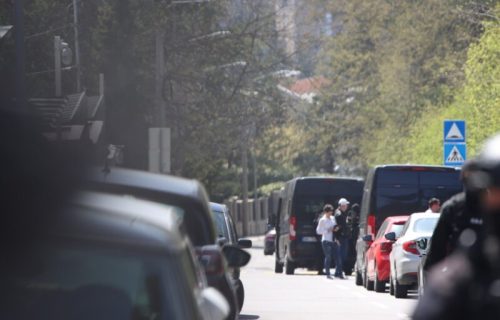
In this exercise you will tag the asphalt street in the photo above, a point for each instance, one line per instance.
(306, 295)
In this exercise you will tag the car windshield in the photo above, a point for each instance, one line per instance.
(425, 225)
(220, 224)
(397, 229)
(61, 281)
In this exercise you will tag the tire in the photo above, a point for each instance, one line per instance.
(289, 267)
(278, 267)
(359, 279)
(391, 287)
(240, 295)
(379, 286)
(368, 282)
(400, 291)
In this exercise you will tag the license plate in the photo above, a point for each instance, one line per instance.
(309, 239)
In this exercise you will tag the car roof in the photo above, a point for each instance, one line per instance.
(122, 220)
(218, 207)
(149, 181)
(329, 178)
(407, 166)
(397, 218)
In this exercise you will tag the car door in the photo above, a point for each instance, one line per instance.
(371, 253)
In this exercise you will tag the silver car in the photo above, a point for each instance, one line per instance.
(407, 251)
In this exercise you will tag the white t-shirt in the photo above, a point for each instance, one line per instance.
(325, 226)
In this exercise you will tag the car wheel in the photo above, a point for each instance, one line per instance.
(400, 291)
(359, 279)
(379, 285)
(240, 294)
(278, 267)
(289, 267)
(391, 287)
(368, 282)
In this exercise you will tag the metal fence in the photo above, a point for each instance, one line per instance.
(260, 213)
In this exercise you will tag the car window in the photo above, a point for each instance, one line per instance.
(382, 230)
(405, 227)
(425, 225)
(220, 224)
(232, 229)
(82, 277)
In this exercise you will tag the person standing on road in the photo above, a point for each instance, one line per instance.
(325, 228)
(457, 214)
(466, 285)
(341, 236)
(434, 206)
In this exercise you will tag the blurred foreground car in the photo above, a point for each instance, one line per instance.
(191, 205)
(406, 251)
(109, 257)
(227, 235)
(269, 242)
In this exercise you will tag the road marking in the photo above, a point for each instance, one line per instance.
(382, 306)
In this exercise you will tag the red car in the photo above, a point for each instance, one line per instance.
(378, 267)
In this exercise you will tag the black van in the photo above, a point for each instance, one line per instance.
(394, 190)
(297, 244)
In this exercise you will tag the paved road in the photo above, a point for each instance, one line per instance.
(306, 295)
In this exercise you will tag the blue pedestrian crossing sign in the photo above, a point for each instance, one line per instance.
(455, 154)
(454, 131)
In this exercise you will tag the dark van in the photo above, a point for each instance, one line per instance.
(395, 190)
(302, 201)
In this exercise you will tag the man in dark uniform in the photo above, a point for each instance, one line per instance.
(342, 234)
(466, 285)
(457, 214)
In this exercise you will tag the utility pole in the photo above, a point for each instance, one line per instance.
(244, 164)
(77, 46)
(57, 66)
(254, 167)
(20, 53)
(159, 74)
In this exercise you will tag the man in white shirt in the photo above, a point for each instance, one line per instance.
(434, 206)
(326, 226)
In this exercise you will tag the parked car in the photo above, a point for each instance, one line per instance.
(407, 250)
(297, 244)
(421, 273)
(269, 242)
(378, 269)
(394, 190)
(191, 202)
(227, 234)
(109, 257)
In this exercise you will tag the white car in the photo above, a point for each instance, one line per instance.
(407, 251)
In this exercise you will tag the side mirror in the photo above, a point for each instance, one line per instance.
(422, 245)
(245, 243)
(236, 257)
(213, 304)
(221, 241)
(391, 236)
(368, 238)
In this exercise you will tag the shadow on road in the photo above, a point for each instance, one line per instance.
(248, 317)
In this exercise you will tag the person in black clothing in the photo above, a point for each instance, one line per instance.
(342, 234)
(457, 214)
(466, 285)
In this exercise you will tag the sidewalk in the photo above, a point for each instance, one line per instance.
(257, 242)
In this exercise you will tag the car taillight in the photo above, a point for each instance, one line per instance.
(211, 259)
(386, 246)
(370, 227)
(293, 225)
(411, 247)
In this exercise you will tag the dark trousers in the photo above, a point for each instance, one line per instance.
(328, 252)
(340, 249)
